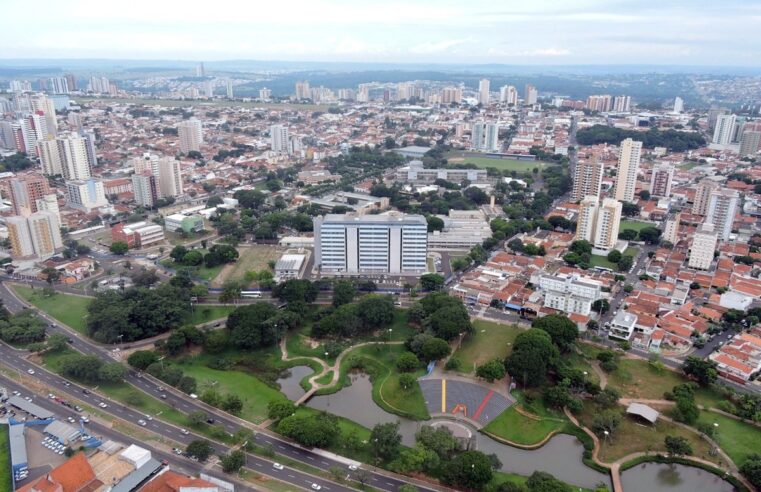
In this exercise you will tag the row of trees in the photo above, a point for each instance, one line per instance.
(370, 313)
(674, 140)
(218, 254)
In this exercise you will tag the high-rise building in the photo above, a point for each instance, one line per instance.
(703, 247)
(678, 105)
(49, 203)
(303, 91)
(451, 95)
(89, 138)
(35, 235)
(750, 142)
(363, 93)
(622, 104)
(671, 229)
(726, 126)
(607, 224)
(148, 162)
(200, 71)
(191, 135)
(19, 237)
(41, 104)
(722, 207)
(508, 94)
(404, 91)
(585, 222)
(483, 91)
(703, 195)
(99, 85)
(20, 86)
(485, 137)
(360, 244)
(601, 103)
(660, 180)
(530, 95)
(47, 151)
(713, 116)
(74, 158)
(86, 195)
(280, 139)
(145, 188)
(229, 88)
(25, 191)
(170, 177)
(629, 154)
(58, 85)
(265, 94)
(208, 88)
(71, 80)
(587, 179)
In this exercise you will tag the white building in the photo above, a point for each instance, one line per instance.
(415, 173)
(530, 95)
(485, 137)
(170, 177)
(483, 91)
(629, 155)
(703, 196)
(387, 243)
(289, 266)
(265, 94)
(587, 179)
(599, 223)
(145, 188)
(722, 207)
(463, 229)
(703, 247)
(678, 105)
(86, 195)
(508, 94)
(726, 126)
(671, 229)
(280, 139)
(661, 180)
(622, 325)
(570, 293)
(622, 104)
(191, 135)
(35, 235)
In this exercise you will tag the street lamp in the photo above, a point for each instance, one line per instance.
(606, 436)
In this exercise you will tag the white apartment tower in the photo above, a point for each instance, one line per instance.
(622, 104)
(265, 94)
(360, 244)
(629, 155)
(170, 177)
(607, 224)
(722, 207)
(585, 222)
(280, 139)
(35, 235)
(530, 95)
(703, 195)
(678, 105)
(703, 247)
(47, 151)
(671, 229)
(86, 195)
(303, 91)
(750, 142)
(191, 135)
(726, 126)
(660, 180)
(570, 293)
(485, 137)
(508, 94)
(587, 179)
(74, 158)
(145, 188)
(483, 91)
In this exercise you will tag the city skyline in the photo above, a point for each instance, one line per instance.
(590, 32)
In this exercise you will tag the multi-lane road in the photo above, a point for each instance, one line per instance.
(15, 359)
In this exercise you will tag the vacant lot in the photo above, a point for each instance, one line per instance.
(68, 309)
(252, 258)
(501, 164)
(635, 225)
(488, 341)
(602, 261)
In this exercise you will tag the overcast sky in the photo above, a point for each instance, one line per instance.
(689, 32)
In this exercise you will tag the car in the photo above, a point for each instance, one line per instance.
(30, 371)
(66, 383)
(102, 404)
(70, 340)
(210, 420)
(77, 408)
(193, 396)
(86, 391)
(177, 451)
(160, 388)
(165, 462)
(148, 417)
(16, 393)
(142, 422)
(353, 467)
(162, 396)
(85, 420)
(51, 396)
(316, 486)
(71, 420)
(184, 432)
(277, 466)
(28, 398)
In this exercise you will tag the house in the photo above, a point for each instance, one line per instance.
(74, 475)
(622, 325)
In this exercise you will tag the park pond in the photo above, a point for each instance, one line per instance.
(649, 477)
(290, 384)
(561, 456)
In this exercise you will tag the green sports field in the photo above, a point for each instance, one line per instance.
(501, 164)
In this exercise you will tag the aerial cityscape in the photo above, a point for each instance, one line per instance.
(386, 247)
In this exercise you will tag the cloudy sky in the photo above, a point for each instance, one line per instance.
(669, 32)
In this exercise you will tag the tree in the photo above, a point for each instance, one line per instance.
(614, 256)
(319, 430)
(751, 468)
(581, 247)
(470, 469)
(233, 461)
(434, 223)
(407, 362)
(686, 410)
(294, 290)
(606, 421)
(516, 245)
(376, 310)
(650, 235)
(280, 409)
(407, 381)
(82, 367)
(343, 293)
(608, 398)
(562, 330)
(627, 235)
(219, 254)
(644, 194)
(491, 370)
(119, 248)
(532, 356)
(192, 258)
(249, 327)
(434, 348)
(111, 373)
(385, 440)
(196, 418)
(704, 370)
(200, 449)
(677, 446)
(439, 440)
(601, 306)
(625, 263)
(56, 342)
(431, 281)
(232, 404)
(51, 274)
(544, 482)
(178, 253)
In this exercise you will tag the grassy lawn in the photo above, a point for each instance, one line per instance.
(736, 438)
(635, 225)
(6, 485)
(501, 164)
(68, 309)
(516, 427)
(489, 341)
(203, 314)
(503, 477)
(252, 258)
(602, 261)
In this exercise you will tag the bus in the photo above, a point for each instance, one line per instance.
(251, 294)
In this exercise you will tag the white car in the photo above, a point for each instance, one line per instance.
(51, 396)
(16, 393)
(316, 486)
(148, 417)
(71, 420)
(353, 467)
(142, 422)
(30, 371)
(184, 432)
(102, 404)
(277, 466)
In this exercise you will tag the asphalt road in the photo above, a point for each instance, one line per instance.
(183, 403)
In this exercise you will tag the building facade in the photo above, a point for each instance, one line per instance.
(629, 156)
(703, 196)
(587, 179)
(570, 293)
(660, 181)
(86, 195)
(722, 207)
(703, 247)
(191, 135)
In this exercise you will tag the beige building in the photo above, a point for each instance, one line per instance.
(599, 223)
(703, 247)
(35, 235)
(170, 177)
(585, 222)
(671, 230)
(629, 156)
(191, 135)
(703, 196)
(587, 179)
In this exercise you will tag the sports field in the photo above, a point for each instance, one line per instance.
(501, 164)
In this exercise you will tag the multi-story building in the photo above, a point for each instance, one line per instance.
(750, 142)
(703, 196)
(628, 164)
(186, 223)
(660, 181)
(47, 151)
(265, 94)
(671, 229)
(623, 325)
(726, 127)
(451, 95)
(622, 104)
(607, 224)
(280, 140)
(587, 179)
(508, 94)
(585, 222)
(69, 158)
(570, 293)
(462, 229)
(145, 188)
(354, 244)
(678, 105)
(415, 173)
(722, 207)
(530, 95)
(703, 246)
(485, 137)
(303, 91)
(19, 237)
(25, 191)
(35, 235)
(169, 177)
(86, 195)
(191, 135)
(58, 85)
(483, 91)
(601, 103)
(138, 234)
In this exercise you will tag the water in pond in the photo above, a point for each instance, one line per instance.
(654, 477)
(561, 456)
(289, 385)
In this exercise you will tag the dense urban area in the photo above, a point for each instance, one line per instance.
(398, 285)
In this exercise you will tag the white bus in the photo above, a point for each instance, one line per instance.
(251, 294)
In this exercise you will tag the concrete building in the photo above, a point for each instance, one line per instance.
(169, 177)
(530, 95)
(280, 139)
(390, 243)
(463, 229)
(628, 164)
(726, 127)
(191, 135)
(607, 224)
(622, 104)
(86, 195)
(570, 293)
(413, 151)
(587, 179)
(485, 137)
(182, 222)
(451, 95)
(25, 191)
(265, 94)
(671, 229)
(138, 234)
(722, 207)
(303, 91)
(483, 91)
(585, 222)
(508, 94)
(602, 103)
(415, 173)
(75, 163)
(622, 325)
(703, 196)
(703, 247)
(660, 181)
(289, 266)
(750, 142)
(35, 235)
(678, 105)
(145, 188)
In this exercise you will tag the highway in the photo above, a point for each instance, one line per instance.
(182, 402)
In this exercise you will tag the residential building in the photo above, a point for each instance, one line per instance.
(722, 207)
(750, 142)
(169, 177)
(25, 191)
(628, 164)
(49, 203)
(145, 188)
(508, 94)
(191, 135)
(607, 224)
(19, 237)
(483, 91)
(72, 150)
(570, 293)
(485, 137)
(303, 91)
(726, 127)
(37, 234)
(671, 229)
(265, 94)
(622, 325)
(660, 181)
(601, 103)
(451, 95)
(740, 358)
(530, 95)
(678, 105)
(587, 179)
(280, 139)
(585, 222)
(622, 104)
(58, 85)
(386, 243)
(289, 266)
(86, 195)
(703, 246)
(703, 196)
(415, 173)
(47, 151)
